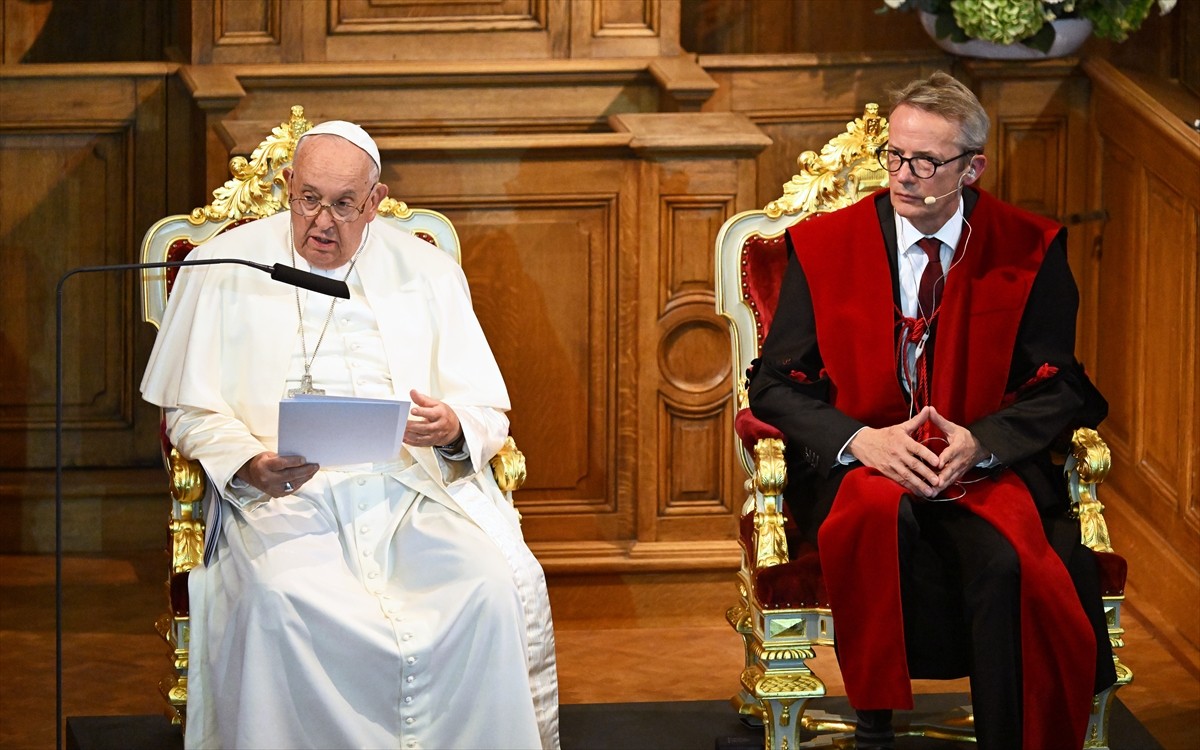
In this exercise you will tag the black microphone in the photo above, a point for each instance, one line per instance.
(307, 280)
(285, 274)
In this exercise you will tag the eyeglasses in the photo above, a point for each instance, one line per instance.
(342, 211)
(923, 167)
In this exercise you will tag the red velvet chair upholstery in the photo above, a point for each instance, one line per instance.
(255, 190)
(783, 613)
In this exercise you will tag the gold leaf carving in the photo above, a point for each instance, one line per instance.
(1092, 460)
(508, 466)
(257, 188)
(392, 207)
(187, 481)
(845, 169)
(187, 544)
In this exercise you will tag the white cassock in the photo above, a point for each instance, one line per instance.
(380, 606)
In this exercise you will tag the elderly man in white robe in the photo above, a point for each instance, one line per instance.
(388, 605)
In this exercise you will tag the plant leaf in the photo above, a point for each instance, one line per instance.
(1043, 39)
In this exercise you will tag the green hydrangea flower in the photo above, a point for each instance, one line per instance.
(1116, 20)
(999, 21)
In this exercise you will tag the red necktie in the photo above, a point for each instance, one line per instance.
(931, 276)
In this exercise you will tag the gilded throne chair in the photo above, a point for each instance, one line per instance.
(256, 189)
(783, 610)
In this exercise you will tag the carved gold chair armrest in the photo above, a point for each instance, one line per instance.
(1087, 466)
(188, 484)
(508, 466)
(770, 477)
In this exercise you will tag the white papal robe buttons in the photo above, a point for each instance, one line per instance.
(408, 699)
(409, 720)
(410, 679)
(412, 660)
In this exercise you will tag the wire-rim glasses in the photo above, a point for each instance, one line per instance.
(309, 207)
(923, 167)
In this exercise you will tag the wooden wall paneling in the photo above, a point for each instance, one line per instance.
(624, 28)
(1117, 374)
(697, 170)
(411, 99)
(1037, 113)
(1148, 362)
(1039, 159)
(79, 183)
(544, 249)
(801, 101)
(247, 31)
(1170, 339)
(92, 31)
(798, 26)
(432, 31)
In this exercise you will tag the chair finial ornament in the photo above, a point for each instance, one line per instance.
(257, 188)
(845, 169)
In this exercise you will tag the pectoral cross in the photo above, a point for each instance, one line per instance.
(306, 388)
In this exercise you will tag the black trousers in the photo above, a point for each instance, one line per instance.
(960, 587)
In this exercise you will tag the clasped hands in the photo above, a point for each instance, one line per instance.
(430, 423)
(895, 453)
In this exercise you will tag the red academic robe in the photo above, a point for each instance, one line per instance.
(983, 303)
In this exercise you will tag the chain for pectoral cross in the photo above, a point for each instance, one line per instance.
(306, 382)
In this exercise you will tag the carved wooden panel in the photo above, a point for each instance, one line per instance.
(75, 191)
(544, 248)
(1170, 335)
(800, 104)
(64, 174)
(1147, 332)
(1034, 155)
(1117, 374)
(411, 16)
(763, 27)
(542, 282)
(624, 28)
(233, 31)
(695, 421)
(258, 31)
(247, 22)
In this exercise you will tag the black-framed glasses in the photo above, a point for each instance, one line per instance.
(343, 211)
(923, 167)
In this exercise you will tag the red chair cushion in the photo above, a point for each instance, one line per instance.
(751, 429)
(796, 583)
(763, 263)
(179, 249)
(1113, 568)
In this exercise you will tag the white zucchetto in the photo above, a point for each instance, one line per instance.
(350, 132)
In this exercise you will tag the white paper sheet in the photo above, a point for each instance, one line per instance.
(339, 430)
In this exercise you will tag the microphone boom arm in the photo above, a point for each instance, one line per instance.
(279, 272)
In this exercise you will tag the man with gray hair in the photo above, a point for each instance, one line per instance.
(391, 604)
(921, 365)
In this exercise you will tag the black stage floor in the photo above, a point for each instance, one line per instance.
(688, 725)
